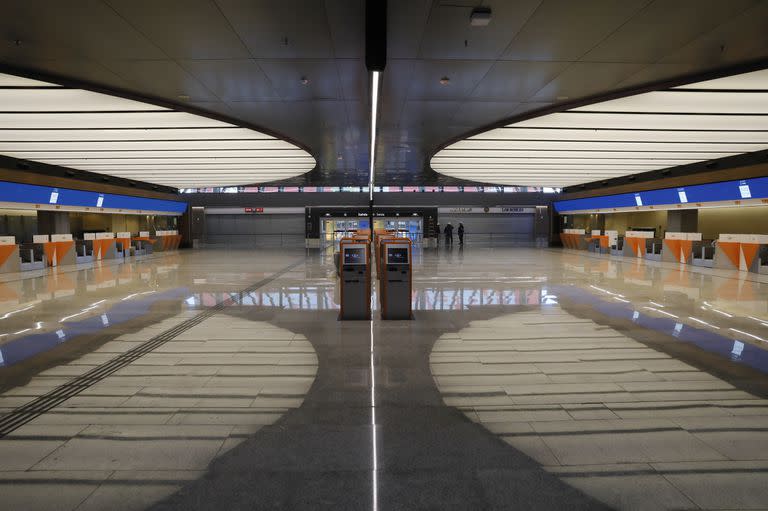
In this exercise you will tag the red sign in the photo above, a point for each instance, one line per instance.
(254, 210)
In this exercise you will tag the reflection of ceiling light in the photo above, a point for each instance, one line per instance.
(480, 17)
(185, 97)
(304, 80)
(445, 80)
(561, 98)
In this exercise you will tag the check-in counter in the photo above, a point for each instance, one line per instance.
(678, 247)
(60, 250)
(84, 248)
(142, 243)
(123, 244)
(703, 253)
(10, 262)
(602, 243)
(166, 240)
(33, 254)
(104, 246)
(636, 243)
(574, 238)
(740, 251)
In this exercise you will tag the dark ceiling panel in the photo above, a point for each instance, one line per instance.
(481, 113)
(516, 80)
(740, 38)
(564, 30)
(184, 29)
(286, 77)
(233, 80)
(448, 34)
(347, 33)
(49, 30)
(585, 79)
(664, 26)
(463, 75)
(286, 29)
(164, 78)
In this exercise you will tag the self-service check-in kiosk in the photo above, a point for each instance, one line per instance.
(395, 279)
(354, 280)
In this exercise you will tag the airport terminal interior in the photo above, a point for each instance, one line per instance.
(383, 255)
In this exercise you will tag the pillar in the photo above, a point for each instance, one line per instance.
(53, 222)
(683, 220)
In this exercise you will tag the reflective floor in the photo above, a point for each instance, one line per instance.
(529, 379)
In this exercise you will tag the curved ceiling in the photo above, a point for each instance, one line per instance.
(104, 134)
(297, 66)
(633, 134)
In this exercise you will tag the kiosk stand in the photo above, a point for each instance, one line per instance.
(354, 280)
(678, 246)
(10, 262)
(395, 279)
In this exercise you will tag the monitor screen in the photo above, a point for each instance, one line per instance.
(354, 255)
(397, 255)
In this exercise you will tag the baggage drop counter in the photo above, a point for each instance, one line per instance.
(740, 252)
(60, 250)
(10, 261)
(395, 279)
(635, 243)
(104, 246)
(678, 246)
(574, 238)
(354, 280)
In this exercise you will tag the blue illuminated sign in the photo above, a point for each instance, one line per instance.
(756, 188)
(33, 194)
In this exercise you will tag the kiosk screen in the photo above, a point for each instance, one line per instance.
(397, 255)
(354, 255)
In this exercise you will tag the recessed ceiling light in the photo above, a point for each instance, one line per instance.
(304, 80)
(445, 80)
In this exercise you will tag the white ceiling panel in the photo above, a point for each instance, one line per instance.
(110, 135)
(649, 131)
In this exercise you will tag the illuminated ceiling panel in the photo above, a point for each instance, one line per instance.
(649, 131)
(105, 134)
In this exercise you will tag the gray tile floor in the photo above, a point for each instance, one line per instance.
(530, 379)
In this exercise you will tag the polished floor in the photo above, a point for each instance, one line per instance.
(529, 379)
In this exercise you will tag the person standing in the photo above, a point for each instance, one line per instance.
(448, 234)
(461, 233)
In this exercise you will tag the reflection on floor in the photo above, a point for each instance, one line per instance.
(621, 421)
(141, 433)
(530, 379)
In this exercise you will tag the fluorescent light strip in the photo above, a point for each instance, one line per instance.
(556, 145)
(627, 135)
(583, 120)
(688, 102)
(112, 135)
(374, 120)
(136, 134)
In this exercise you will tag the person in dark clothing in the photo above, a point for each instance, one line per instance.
(448, 234)
(461, 233)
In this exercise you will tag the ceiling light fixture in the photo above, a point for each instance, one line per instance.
(650, 131)
(374, 119)
(304, 80)
(480, 17)
(445, 80)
